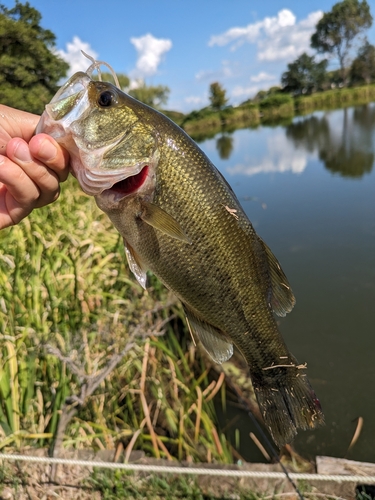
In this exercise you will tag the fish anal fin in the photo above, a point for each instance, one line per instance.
(213, 341)
(136, 265)
(162, 221)
(282, 298)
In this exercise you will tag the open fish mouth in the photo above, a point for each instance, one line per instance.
(130, 184)
(99, 181)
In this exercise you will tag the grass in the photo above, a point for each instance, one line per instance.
(115, 484)
(64, 284)
(335, 98)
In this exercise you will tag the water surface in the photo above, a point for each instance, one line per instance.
(309, 190)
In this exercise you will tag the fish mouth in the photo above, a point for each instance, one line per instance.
(129, 185)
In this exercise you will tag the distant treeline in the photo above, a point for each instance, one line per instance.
(275, 107)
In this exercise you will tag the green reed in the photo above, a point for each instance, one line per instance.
(64, 283)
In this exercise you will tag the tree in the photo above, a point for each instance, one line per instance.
(154, 96)
(304, 75)
(29, 70)
(338, 28)
(217, 96)
(122, 79)
(363, 66)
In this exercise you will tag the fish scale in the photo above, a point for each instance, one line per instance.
(183, 222)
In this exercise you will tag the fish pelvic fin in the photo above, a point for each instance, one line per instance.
(214, 342)
(287, 402)
(162, 221)
(136, 265)
(282, 298)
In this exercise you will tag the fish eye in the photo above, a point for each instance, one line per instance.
(106, 98)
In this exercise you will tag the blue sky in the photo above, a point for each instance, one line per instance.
(186, 45)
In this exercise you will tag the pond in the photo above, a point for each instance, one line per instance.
(309, 190)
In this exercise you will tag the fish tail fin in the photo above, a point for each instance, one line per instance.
(287, 402)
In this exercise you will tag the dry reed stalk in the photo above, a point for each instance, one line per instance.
(162, 446)
(149, 424)
(198, 413)
(217, 388)
(131, 444)
(144, 365)
(174, 377)
(260, 447)
(217, 441)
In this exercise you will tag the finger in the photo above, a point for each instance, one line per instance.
(18, 193)
(15, 123)
(45, 180)
(10, 212)
(47, 150)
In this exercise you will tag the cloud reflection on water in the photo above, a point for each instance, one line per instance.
(279, 156)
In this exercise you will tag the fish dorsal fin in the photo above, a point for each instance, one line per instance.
(136, 265)
(214, 342)
(282, 298)
(161, 220)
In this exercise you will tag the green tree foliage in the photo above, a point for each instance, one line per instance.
(363, 67)
(217, 96)
(29, 70)
(154, 96)
(304, 75)
(338, 28)
(122, 79)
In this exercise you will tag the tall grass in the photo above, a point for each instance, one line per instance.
(64, 283)
(335, 98)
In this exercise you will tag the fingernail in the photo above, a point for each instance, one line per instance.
(22, 152)
(47, 151)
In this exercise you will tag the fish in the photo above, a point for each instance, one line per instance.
(180, 219)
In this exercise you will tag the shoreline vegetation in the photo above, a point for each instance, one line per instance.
(273, 109)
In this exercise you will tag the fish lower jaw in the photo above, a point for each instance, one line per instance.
(127, 186)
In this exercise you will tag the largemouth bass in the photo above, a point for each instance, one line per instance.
(180, 219)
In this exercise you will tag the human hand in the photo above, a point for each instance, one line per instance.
(31, 167)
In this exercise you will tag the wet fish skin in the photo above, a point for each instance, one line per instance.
(185, 224)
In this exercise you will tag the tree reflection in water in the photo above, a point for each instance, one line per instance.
(347, 150)
(224, 146)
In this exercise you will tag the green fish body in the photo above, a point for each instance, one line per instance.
(180, 219)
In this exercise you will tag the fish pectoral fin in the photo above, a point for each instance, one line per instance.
(282, 297)
(213, 341)
(136, 265)
(162, 221)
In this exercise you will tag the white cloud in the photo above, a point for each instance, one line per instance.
(262, 77)
(195, 99)
(74, 57)
(278, 37)
(150, 53)
(241, 91)
(225, 71)
(239, 35)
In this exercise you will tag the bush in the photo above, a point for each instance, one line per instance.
(276, 100)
